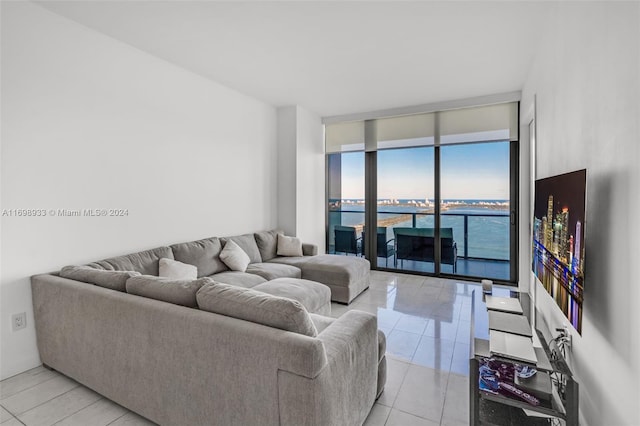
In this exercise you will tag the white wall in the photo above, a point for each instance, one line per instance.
(89, 122)
(301, 175)
(287, 148)
(310, 191)
(586, 79)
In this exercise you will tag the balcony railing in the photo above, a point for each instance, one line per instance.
(489, 239)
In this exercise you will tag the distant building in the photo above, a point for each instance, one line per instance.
(538, 234)
(548, 237)
(571, 250)
(557, 232)
(563, 249)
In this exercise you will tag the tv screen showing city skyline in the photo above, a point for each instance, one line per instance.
(558, 240)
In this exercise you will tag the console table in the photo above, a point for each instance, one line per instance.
(492, 409)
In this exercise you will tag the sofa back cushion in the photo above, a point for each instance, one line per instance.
(203, 254)
(145, 262)
(115, 280)
(179, 292)
(247, 243)
(255, 306)
(267, 242)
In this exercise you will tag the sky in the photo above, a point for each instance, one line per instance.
(469, 171)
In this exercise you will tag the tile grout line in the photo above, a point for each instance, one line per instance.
(116, 419)
(445, 396)
(30, 387)
(50, 399)
(24, 372)
(393, 403)
(75, 412)
(13, 418)
(12, 415)
(415, 415)
(386, 419)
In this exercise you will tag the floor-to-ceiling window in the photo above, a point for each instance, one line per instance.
(475, 207)
(442, 187)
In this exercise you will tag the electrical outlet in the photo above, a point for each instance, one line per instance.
(19, 321)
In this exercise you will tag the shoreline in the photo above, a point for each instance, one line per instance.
(422, 210)
(407, 216)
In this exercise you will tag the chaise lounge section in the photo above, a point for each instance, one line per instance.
(347, 277)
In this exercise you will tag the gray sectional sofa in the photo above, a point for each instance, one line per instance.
(247, 348)
(347, 277)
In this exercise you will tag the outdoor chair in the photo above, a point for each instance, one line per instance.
(418, 244)
(385, 248)
(449, 251)
(346, 240)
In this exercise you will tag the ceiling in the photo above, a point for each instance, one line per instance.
(332, 57)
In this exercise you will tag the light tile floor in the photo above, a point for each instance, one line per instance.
(426, 321)
(496, 269)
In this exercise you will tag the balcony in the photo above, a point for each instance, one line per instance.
(482, 240)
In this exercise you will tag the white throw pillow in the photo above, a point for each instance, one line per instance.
(289, 246)
(170, 268)
(234, 257)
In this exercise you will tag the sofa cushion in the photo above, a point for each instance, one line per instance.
(145, 262)
(271, 271)
(296, 261)
(115, 280)
(329, 267)
(267, 242)
(170, 268)
(247, 243)
(255, 306)
(203, 254)
(314, 296)
(178, 292)
(289, 246)
(241, 279)
(234, 257)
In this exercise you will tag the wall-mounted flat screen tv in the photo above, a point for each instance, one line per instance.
(558, 240)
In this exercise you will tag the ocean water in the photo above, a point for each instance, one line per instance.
(487, 228)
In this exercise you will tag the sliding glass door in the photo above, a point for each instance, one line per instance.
(404, 206)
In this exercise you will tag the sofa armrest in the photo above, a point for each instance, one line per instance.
(309, 249)
(339, 337)
(345, 389)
